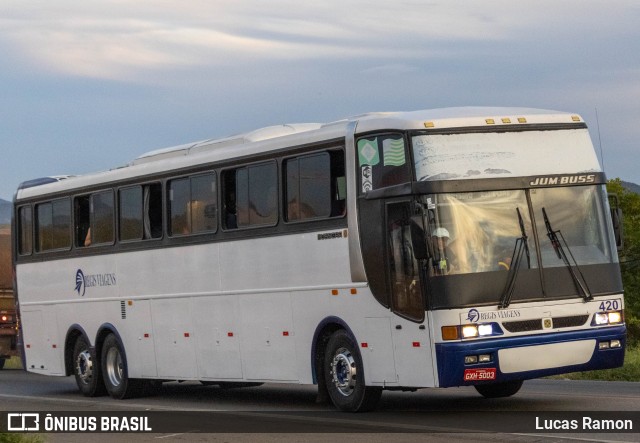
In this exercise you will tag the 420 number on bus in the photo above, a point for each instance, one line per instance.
(609, 305)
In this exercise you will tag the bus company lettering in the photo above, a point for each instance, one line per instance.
(475, 316)
(563, 180)
(91, 280)
(100, 280)
(330, 235)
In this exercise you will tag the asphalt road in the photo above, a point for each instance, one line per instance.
(289, 412)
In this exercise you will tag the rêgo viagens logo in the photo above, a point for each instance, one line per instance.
(90, 280)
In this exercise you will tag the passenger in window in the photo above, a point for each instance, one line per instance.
(87, 238)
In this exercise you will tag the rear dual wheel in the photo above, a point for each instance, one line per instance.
(86, 369)
(115, 372)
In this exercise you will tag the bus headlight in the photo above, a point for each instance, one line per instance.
(470, 331)
(615, 317)
(607, 318)
(485, 329)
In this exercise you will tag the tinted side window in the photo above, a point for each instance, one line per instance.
(315, 186)
(140, 212)
(53, 225)
(130, 210)
(251, 196)
(192, 205)
(82, 214)
(102, 218)
(383, 161)
(25, 228)
(203, 203)
(179, 196)
(263, 194)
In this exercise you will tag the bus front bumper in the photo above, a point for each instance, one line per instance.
(519, 358)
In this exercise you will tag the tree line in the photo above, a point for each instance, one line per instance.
(630, 256)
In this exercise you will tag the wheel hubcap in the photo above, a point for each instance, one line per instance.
(343, 371)
(113, 366)
(84, 366)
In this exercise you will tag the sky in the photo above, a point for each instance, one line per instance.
(88, 86)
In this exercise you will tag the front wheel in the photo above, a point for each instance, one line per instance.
(86, 369)
(497, 390)
(115, 372)
(344, 375)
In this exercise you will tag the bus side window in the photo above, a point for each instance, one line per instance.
(179, 217)
(192, 205)
(81, 209)
(230, 219)
(102, 213)
(315, 186)
(53, 225)
(383, 161)
(25, 226)
(130, 213)
(250, 196)
(152, 195)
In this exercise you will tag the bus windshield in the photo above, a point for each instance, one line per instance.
(475, 231)
(473, 237)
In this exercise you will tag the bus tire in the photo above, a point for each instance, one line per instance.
(115, 372)
(497, 390)
(86, 369)
(344, 375)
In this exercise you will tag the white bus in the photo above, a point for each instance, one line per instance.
(436, 248)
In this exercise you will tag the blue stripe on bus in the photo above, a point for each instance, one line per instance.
(451, 366)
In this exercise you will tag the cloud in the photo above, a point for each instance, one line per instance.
(123, 41)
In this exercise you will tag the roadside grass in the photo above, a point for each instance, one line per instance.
(630, 371)
(12, 363)
(20, 438)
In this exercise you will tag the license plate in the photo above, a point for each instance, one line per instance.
(479, 374)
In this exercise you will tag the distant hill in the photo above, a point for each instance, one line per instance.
(631, 187)
(5, 212)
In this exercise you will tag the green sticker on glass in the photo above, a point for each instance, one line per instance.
(368, 152)
(393, 152)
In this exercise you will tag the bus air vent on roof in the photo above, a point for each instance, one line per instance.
(206, 145)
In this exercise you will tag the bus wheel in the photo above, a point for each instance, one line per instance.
(497, 390)
(344, 375)
(115, 373)
(86, 369)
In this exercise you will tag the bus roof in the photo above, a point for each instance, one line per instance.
(275, 137)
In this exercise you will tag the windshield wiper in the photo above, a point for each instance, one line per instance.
(521, 248)
(578, 278)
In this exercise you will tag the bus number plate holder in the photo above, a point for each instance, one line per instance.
(479, 374)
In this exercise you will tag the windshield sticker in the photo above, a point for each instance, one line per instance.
(430, 203)
(367, 178)
(368, 151)
(393, 152)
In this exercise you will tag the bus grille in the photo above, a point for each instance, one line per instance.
(536, 324)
